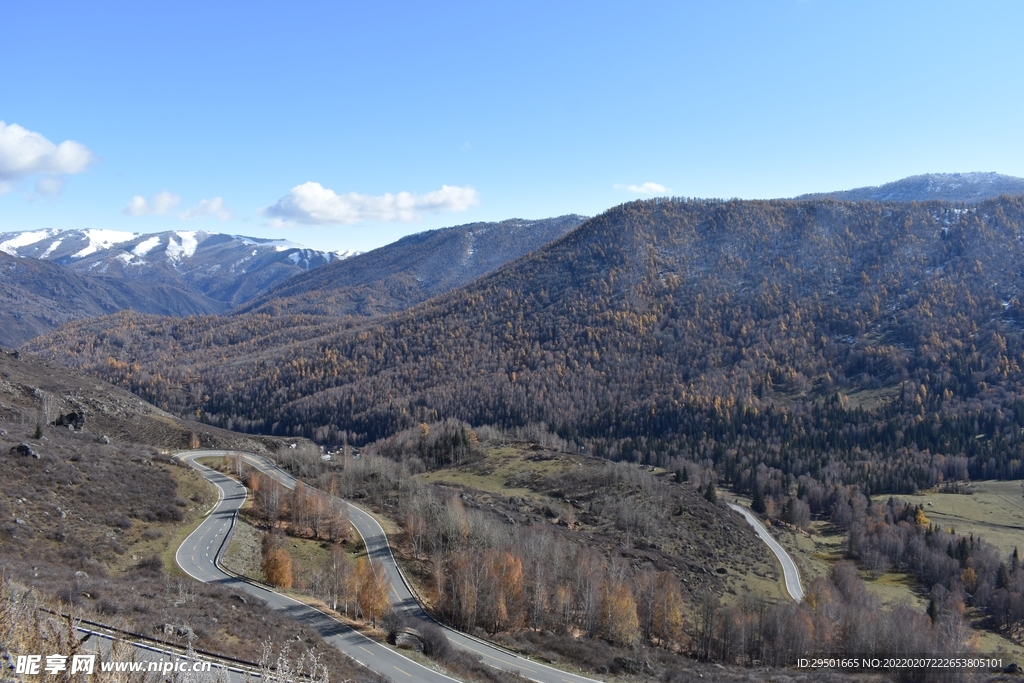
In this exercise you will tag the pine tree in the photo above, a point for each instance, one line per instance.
(759, 505)
(711, 493)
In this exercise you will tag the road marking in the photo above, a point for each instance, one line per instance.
(367, 651)
(376, 542)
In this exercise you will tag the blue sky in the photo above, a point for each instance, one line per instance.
(306, 120)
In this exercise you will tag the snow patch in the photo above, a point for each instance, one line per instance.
(24, 239)
(184, 247)
(103, 239)
(284, 245)
(146, 246)
(52, 248)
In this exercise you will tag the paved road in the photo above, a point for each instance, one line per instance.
(199, 557)
(101, 643)
(789, 570)
(377, 548)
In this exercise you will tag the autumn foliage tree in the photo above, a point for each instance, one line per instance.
(277, 562)
(619, 621)
(372, 594)
(502, 598)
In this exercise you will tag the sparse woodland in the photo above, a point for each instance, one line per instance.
(556, 592)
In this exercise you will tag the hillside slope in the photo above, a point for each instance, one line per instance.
(411, 270)
(873, 343)
(948, 187)
(37, 296)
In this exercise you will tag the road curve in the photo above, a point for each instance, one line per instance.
(199, 557)
(789, 570)
(377, 548)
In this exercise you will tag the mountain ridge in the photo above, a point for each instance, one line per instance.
(228, 268)
(949, 187)
(410, 270)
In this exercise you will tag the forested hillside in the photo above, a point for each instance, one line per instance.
(413, 269)
(871, 344)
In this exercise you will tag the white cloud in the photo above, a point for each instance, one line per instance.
(313, 204)
(25, 153)
(647, 188)
(162, 203)
(208, 207)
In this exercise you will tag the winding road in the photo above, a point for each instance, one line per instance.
(789, 570)
(199, 556)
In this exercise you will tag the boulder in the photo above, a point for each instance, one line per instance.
(24, 449)
(75, 420)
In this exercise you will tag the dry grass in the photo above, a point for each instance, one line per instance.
(995, 511)
(672, 527)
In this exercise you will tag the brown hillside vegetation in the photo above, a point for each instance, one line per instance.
(89, 523)
(727, 331)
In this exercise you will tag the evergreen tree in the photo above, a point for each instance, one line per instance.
(711, 493)
(759, 505)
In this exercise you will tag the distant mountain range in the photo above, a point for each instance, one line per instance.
(181, 273)
(229, 269)
(413, 269)
(947, 187)
(53, 276)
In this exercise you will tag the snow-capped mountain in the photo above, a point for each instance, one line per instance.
(230, 269)
(948, 187)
